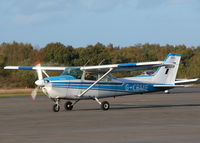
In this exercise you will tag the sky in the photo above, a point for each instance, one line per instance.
(84, 22)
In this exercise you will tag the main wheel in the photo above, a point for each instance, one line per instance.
(105, 105)
(56, 108)
(68, 105)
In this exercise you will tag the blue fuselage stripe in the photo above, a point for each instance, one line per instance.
(100, 83)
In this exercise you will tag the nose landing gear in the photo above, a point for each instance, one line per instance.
(56, 106)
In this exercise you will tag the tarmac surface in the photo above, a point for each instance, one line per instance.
(145, 118)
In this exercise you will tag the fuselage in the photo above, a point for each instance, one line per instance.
(68, 87)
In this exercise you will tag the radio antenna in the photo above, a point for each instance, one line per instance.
(101, 61)
(86, 63)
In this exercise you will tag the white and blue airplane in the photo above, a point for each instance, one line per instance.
(95, 82)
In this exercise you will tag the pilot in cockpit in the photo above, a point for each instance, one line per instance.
(90, 76)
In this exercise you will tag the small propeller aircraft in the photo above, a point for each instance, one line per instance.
(95, 82)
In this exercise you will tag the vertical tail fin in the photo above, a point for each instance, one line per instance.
(167, 75)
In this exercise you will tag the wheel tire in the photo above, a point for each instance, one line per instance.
(56, 108)
(105, 105)
(68, 105)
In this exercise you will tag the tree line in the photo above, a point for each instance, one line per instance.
(58, 54)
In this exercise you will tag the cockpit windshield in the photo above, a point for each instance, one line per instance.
(75, 72)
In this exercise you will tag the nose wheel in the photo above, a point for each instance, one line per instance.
(56, 108)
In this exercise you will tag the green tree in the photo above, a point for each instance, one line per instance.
(58, 53)
(93, 55)
(16, 52)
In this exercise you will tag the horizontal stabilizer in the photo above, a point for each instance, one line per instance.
(165, 86)
(187, 81)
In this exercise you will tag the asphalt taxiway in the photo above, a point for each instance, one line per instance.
(145, 118)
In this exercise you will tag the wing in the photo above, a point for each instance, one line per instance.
(100, 68)
(126, 67)
(35, 68)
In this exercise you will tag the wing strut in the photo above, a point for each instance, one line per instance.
(85, 91)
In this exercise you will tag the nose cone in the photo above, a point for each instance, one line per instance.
(39, 82)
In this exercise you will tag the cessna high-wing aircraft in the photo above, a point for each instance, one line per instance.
(95, 82)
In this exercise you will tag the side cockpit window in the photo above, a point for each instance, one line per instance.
(91, 76)
(86, 75)
(75, 72)
(95, 76)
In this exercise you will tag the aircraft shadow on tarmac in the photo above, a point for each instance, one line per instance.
(125, 106)
(184, 90)
(122, 106)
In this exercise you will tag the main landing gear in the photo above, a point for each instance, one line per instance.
(104, 105)
(69, 105)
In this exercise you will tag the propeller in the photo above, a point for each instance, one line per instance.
(34, 93)
(39, 82)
